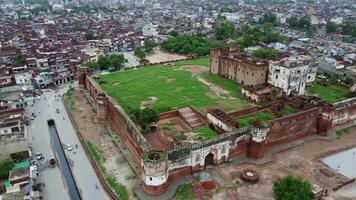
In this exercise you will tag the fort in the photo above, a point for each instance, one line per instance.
(164, 156)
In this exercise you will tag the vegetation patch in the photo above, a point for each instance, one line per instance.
(5, 166)
(287, 110)
(205, 132)
(331, 93)
(137, 85)
(68, 98)
(185, 192)
(263, 117)
(345, 130)
(119, 189)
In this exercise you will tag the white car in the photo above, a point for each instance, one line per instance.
(68, 147)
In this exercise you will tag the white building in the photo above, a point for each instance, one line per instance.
(292, 74)
(23, 78)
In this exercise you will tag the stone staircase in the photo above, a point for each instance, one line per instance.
(191, 117)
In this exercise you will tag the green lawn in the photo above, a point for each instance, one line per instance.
(204, 61)
(173, 88)
(287, 110)
(331, 93)
(205, 132)
(185, 192)
(261, 116)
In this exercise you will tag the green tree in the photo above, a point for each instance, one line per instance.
(145, 118)
(89, 35)
(5, 166)
(20, 59)
(116, 60)
(331, 27)
(149, 45)
(265, 53)
(292, 188)
(140, 53)
(349, 29)
(225, 31)
(103, 62)
(270, 18)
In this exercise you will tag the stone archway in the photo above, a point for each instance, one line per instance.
(209, 160)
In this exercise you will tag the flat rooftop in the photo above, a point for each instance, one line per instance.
(343, 162)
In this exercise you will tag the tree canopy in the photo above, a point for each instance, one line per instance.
(185, 44)
(292, 188)
(331, 27)
(140, 53)
(270, 18)
(5, 166)
(252, 35)
(303, 23)
(105, 62)
(265, 53)
(89, 35)
(145, 118)
(225, 31)
(20, 59)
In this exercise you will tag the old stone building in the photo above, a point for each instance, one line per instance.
(292, 74)
(243, 69)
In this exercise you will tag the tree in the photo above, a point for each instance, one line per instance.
(292, 188)
(103, 62)
(270, 18)
(149, 45)
(225, 31)
(145, 118)
(349, 29)
(302, 23)
(89, 35)
(331, 27)
(116, 60)
(292, 21)
(20, 59)
(5, 166)
(265, 53)
(140, 53)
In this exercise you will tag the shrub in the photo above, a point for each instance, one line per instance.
(292, 188)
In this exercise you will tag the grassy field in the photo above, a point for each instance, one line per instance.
(261, 116)
(171, 88)
(185, 192)
(331, 93)
(287, 110)
(205, 132)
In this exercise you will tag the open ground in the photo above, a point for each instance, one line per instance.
(174, 86)
(102, 146)
(303, 160)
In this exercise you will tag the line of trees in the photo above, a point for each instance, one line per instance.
(302, 23)
(190, 43)
(141, 52)
(252, 35)
(114, 61)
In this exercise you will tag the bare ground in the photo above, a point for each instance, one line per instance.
(98, 134)
(303, 161)
(162, 56)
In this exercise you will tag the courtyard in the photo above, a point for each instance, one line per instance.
(166, 87)
(331, 93)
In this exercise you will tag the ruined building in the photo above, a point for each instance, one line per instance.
(243, 69)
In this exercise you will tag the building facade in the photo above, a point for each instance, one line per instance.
(243, 69)
(292, 74)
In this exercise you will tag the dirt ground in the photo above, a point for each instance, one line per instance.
(115, 162)
(303, 161)
(161, 56)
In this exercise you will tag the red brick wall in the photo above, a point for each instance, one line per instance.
(241, 148)
(165, 115)
(292, 127)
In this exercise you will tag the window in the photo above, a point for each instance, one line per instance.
(276, 76)
(150, 178)
(252, 74)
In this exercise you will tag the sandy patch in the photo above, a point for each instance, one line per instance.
(162, 56)
(194, 69)
(149, 102)
(168, 80)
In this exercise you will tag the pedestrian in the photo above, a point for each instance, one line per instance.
(76, 146)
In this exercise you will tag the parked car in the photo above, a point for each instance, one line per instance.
(33, 117)
(39, 156)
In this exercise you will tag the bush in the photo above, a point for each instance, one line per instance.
(265, 53)
(144, 118)
(5, 166)
(292, 188)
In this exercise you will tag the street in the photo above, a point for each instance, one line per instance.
(83, 172)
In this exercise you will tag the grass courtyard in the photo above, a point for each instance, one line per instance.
(166, 88)
(331, 93)
(261, 116)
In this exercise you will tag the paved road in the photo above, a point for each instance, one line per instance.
(83, 172)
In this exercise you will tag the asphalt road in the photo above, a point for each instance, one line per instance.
(83, 172)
